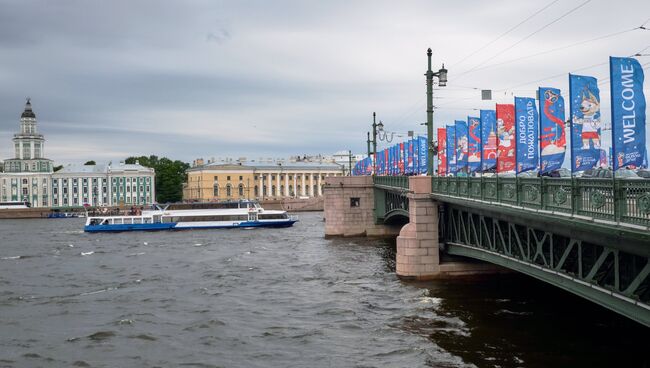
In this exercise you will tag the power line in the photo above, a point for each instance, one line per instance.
(506, 32)
(527, 37)
(552, 50)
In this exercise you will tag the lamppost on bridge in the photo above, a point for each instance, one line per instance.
(374, 141)
(442, 82)
(368, 142)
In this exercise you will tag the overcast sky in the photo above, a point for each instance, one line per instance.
(188, 79)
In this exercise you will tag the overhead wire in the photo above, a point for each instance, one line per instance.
(526, 37)
(505, 33)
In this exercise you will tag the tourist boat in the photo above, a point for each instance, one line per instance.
(246, 214)
(14, 205)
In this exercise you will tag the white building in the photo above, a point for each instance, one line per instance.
(29, 176)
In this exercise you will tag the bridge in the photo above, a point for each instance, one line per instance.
(590, 237)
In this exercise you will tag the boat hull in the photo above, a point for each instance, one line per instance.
(186, 226)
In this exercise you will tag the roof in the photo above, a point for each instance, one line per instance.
(28, 113)
(268, 166)
(101, 168)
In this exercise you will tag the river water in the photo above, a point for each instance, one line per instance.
(276, 298)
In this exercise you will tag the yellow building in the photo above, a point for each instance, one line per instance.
(257, 180)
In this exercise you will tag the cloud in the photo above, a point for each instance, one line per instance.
(259, 79)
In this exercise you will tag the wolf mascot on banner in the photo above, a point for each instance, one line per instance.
(590, 121)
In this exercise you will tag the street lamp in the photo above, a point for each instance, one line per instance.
(442, 82)
(374, 143)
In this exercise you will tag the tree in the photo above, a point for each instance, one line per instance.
(57, 168)
(170, 176)
(91, 162)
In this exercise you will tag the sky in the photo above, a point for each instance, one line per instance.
(190, 79)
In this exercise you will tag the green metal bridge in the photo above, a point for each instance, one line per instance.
(588, 236)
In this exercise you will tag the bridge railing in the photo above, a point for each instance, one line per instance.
(392, 181)
(623, 200)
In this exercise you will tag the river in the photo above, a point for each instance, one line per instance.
(277, 298)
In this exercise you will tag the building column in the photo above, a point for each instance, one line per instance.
(260, 191)
(277, 185)
(286, 185)
(311, 185)
(319, 191)
(302, 184)
(295, 183)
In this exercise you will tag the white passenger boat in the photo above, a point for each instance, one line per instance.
(245, 214)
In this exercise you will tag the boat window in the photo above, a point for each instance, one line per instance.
(273, 216)
(137, 220)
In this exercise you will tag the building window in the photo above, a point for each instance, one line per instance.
(272, 177)
(241, 189)
(24, 181)
(273, 194)
(281, 190)
(216, 178)
(290, 177)
(74, 190)
(241, 178)
(228, 190)
(216, 190)
(65, 190)
(257, 191)
(228, 177)
(291, 190)
(85, 190)
(314, 191)
(75, 200)
(255, 177)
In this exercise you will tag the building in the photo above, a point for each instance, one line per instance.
(29, 176)
(236, 180)
(103, 185)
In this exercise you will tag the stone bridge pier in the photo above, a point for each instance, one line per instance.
(349, 207)
(418, 248)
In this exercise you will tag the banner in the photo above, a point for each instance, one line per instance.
(401, 158)
(552, 133)
(489, 140)
(527, 132)
(423, 152)
(585, 122)
(473, 144)
(461, 146)
(416, 157)
(628, 112)
(451, 149)
(442, 152)
(506, 158)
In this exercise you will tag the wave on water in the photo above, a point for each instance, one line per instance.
(87, 253)
(12, 257)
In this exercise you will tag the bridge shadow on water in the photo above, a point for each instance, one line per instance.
(514, 320)
(517, 321)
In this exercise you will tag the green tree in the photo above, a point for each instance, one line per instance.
(91, 162)
(57, 168)
(170, 176)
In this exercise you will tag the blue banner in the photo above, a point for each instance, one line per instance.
(585, 122)
(423, 152)
(416, 156)
(552, 130)
(461, 146)
(451, 149)
(473, 144)
(527, 133)
(489, 140)
(628, 112)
